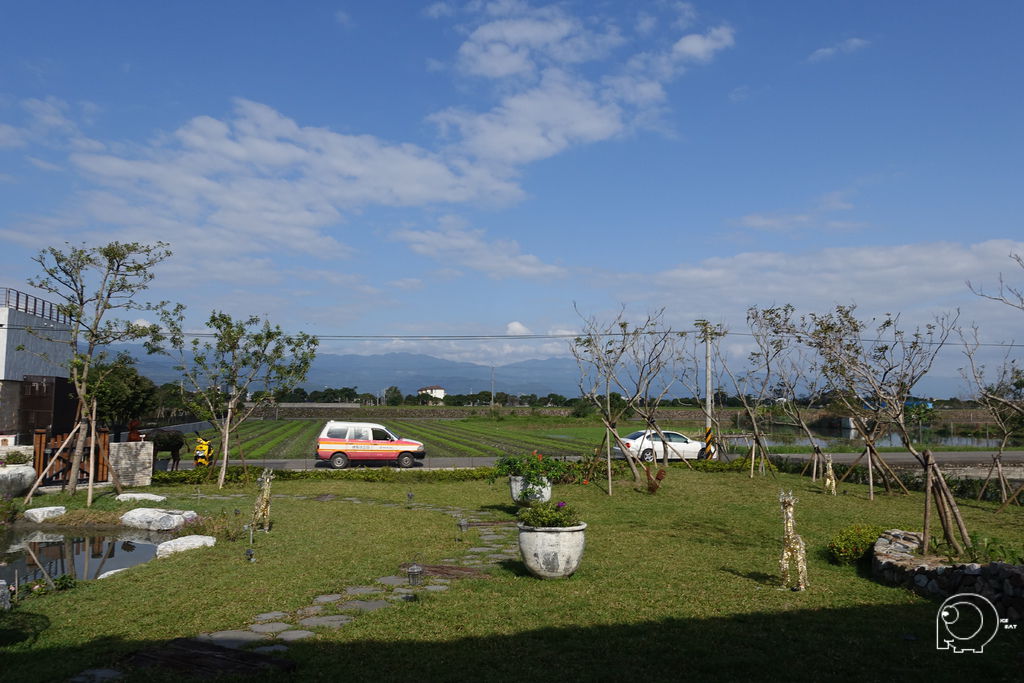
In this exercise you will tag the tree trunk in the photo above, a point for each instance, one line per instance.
(76, 458)
(226, 431)
(927, 510)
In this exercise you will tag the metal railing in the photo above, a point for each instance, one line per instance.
(20, 301)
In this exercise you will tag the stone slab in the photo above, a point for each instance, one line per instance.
(393, 580)
(436, 589)
(310, 611)
(298, 634)
(38, 515)
(361, 590)
(270, 616)
(178, 545)
(271, 649)
(140, 496)
(232, 639)
(332, 597)
(97, 675)
(157, 519)
(270, 627)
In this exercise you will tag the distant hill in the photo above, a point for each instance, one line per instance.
(409, 372)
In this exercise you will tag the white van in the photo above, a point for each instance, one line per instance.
(342, 442)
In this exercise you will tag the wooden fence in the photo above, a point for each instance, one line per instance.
(45, 447)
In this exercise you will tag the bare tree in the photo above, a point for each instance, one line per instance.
(1002, 397)
(92, 284)
(632, 359)
(874, 378)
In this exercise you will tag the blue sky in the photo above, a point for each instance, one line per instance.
(475, 168)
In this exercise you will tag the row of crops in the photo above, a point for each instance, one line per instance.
(448, 438)
(277, 439)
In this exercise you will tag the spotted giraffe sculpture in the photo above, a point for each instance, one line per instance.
(261, 511)
(793, 551)
(830, 476)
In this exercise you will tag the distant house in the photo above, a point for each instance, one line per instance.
(433, 391)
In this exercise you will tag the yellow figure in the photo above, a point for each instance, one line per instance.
(830, 476)
(793, 550)
(261, 511)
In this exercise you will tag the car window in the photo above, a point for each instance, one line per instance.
(359, 434)
(654, 436)
(381, 435)
(635, 435)
(676, 438)
(337, 432)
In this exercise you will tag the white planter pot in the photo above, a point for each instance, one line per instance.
(523, 494)
(552, 552)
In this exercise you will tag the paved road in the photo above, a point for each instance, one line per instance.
(950, 458)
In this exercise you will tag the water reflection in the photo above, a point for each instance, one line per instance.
(27, 553)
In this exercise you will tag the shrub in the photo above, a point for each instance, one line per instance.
(7, 511)
(16, 458)
(853, 543)
(549, 514)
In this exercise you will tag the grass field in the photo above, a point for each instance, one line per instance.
(674, 586)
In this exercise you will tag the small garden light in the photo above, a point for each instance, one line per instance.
(463, 527)
(250, 554)
(408, 497)
(415, 573)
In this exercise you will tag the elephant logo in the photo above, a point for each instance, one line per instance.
(966, 622)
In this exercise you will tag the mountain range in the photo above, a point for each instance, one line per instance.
(409, 372)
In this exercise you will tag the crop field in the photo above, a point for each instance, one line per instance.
(472, 437)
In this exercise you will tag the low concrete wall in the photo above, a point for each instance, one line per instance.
(133, 462)
(895, 563)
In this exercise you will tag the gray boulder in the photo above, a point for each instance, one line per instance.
(38, 515)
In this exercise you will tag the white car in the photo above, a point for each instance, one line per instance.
(647, 446)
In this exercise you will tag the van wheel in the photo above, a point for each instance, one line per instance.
(405, 461)
(339, 461)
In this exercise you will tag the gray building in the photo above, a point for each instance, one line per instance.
(34, 353)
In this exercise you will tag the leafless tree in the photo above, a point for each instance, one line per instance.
(1000, 395)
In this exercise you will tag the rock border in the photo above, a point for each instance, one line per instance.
(894, 563)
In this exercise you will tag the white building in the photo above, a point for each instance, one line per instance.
(433, 391)
(33, 369)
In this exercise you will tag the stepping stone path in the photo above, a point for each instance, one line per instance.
(271, 631)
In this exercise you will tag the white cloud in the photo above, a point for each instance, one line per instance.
(11, 136)
(438, 10)
(814, 217)
(408, 284)
(702, 48)
(847, 46)
(43, 165)
(517, 328)
(536, 123)
(498, 259)
(343, 18)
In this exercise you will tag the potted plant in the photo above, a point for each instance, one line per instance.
(551, 539)
(529, 476)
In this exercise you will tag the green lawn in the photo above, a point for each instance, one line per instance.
(677, 585)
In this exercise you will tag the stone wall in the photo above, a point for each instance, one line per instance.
(895, 563)
(133, 462)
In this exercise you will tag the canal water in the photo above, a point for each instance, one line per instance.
(26, 553)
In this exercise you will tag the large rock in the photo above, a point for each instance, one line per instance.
(38, 515)
(157, 519)
(16, 480)
(184, 543)
(140, 496)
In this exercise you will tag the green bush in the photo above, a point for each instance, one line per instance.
(853, 543)
(549, 514)
(17, 458)
(235, 475)
(8, 511)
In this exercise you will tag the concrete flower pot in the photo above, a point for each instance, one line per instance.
(552, 552)
(524, 494)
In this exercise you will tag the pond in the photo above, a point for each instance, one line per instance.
(26, 553)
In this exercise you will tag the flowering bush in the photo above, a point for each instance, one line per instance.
(558, 514)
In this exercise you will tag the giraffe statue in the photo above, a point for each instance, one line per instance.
(261, 511)
(793, 550)
(830, 476)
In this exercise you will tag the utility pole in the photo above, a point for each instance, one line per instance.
(707, 379)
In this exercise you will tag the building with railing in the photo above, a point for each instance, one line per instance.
(34, 355)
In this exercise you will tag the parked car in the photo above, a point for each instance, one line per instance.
(647, 445)
(343, 442)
